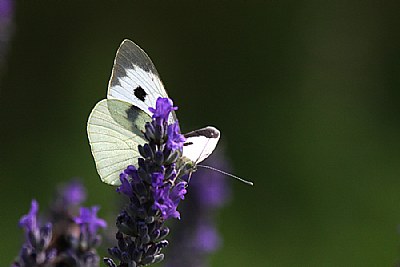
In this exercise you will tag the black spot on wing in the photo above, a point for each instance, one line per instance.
(137, 118)
(188, 144)
(133, 113)
(140, 93)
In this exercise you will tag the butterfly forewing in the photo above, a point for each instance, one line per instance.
(115, 131)
(134, 78)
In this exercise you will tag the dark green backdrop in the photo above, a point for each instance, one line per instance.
(306, 95)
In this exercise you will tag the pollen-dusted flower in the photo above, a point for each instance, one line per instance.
(155, 188)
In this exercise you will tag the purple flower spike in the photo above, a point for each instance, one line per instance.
(88, 217)
(59, 241)
(164, 106)
(29, 221)
(154, 189)
(36, 250)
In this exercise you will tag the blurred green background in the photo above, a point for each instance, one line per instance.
(305, 93)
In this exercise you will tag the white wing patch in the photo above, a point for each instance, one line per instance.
(200, 143)
(113, 146)
(134, 78)
(137, 78)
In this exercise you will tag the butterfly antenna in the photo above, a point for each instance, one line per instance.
(228, 174)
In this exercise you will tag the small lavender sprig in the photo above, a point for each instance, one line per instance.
(65, 240)
(154, 189)
(83, 250)
(36, 250)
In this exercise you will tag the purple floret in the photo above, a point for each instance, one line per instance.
(175, 138)
(164, 107)
(74, 193)
(29, 221)
(88, 217)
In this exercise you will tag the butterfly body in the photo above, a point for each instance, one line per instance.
(116, 124)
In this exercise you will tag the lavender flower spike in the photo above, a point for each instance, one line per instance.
(65, 240)
(155, 188)
(35, 251)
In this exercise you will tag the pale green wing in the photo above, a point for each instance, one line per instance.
(115, 129)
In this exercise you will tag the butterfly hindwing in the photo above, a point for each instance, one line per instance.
(115, 129)
(200, 143)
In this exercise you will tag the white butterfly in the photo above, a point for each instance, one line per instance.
(116, 124)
